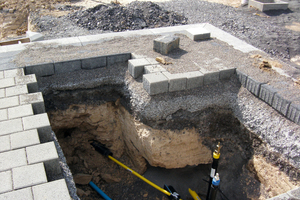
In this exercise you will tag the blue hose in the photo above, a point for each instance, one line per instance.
(99, 191)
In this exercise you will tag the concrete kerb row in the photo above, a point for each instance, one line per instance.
(29, 162)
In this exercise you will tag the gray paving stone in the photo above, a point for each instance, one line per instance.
(283, 196)
(4, 145)
(67, 66)
(226, 73)
(267, 93)
(165, 44)
(242, 77)
(23, 194)
(20, 111)
(37, 101)
(281, 104)
(10, 126)
(16, 90)
(210, 77)
(177, 82)
(197, 34)
(3, 114)
(2, 93)
(253, 86)
(137, 56)
(153, 69)
(44, 69)
(41, 152)
(155, 83)
(28, 175)
(9, 102)
(7, 82)
(13, 73)
(94, 62)
(6, 182)
(136, 66)
(117, 58)
(1, 74)
(194, 79)
(24, 139)
(53, 191)
(11, 159)
(294, 113)
(152, 61)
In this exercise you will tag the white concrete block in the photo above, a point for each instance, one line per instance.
(20, 111)
(4, 143)
(9, 102)
(31, 98)
(2, 93)
(29, 175)
(13, 73)
(41, 153)
(51, 191)
(11, 159)
(7, 82)
(24, 138)
(21, 80)
(1, 74)
(16, 90)
(36, 121)
(153, 69)
(6, 182)
(23, 194)
(3, 114)
(10, 126)
(198, 34)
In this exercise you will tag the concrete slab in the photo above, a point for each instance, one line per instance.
(7, 82)
(177, 82)
(67, 66)
(197, 34)
(4, 145)
(6, 182)
(13, 73)
(20, 111)
(155, 83)
(23, 193)
(51, 191)
(41, 153)
(2, 93)
(93, 62)
(37, 101)
(136, 66)
(24, 139)
(10, 126)
(36, 121)
(153, 69)
(264, 5)
(3, 114)
(44, 69)
(16, 90)
(11, 159)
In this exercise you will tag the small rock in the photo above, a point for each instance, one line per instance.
(145, 195)
(81, 193)
(109, 178)
(82, 179)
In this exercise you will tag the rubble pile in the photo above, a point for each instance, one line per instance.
(136, 15)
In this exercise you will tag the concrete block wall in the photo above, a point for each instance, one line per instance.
(28, 156)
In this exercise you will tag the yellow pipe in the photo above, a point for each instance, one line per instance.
(194, 194)
(139, 176)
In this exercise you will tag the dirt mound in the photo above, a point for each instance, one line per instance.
(136, 15)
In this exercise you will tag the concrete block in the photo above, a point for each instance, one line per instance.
(264, 5)
(295, 193)
(45, 69)
(10, 126)
(117, 58)
(155, 83)
(136, 67)
(4, 144)
(136, 56)
(177, 82)
(2, 93)
(20, 111)
(210, 77)
(23, 194)
(197, 34)
(11, 159)
(152, 61)
(41, 152)
(267, 93)
(34, 36)
(37, 101)
(3, 114)
(9, 102)
(242, 77)
(194, 79)
(67, 66)
(226, 73)
(253, 86)
(36, 121)
(29, 175)
(16, 90)
(1, 74)
(51, 191)
(281, 104)
(94, 62)
(24, 139)
(165, 44)
(29, 80)
(153, 69)
(6, 182)
(7, 82)
(294, 113)
(13, 73)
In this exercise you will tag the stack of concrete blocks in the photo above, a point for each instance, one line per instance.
(265, 5)
(165, 44)
(29, 163)
(272, 96)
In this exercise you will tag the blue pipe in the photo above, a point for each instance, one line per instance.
(99, 191)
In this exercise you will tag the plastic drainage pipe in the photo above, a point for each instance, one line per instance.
(99, 191)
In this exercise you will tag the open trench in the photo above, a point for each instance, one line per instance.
(175, 152)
